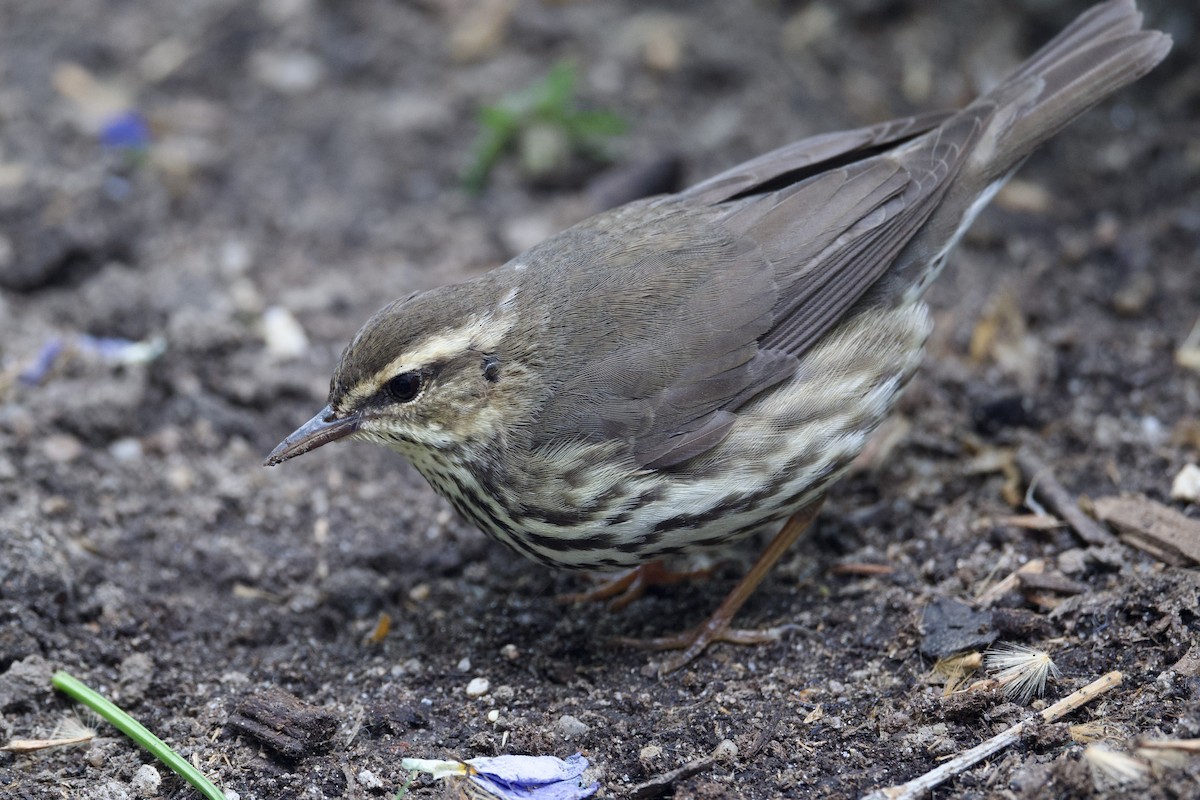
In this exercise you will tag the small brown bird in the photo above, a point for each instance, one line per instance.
(686, 370)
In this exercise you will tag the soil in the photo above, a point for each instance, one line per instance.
(305, 156)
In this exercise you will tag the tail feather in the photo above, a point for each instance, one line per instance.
(1101, 52)
(1104, 50)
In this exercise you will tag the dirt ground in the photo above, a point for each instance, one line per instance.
(304, 156)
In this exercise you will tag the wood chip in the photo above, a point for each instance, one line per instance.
(1044, 484)
(1010, 582)
(1050, 582)
(1189, 665)
(1153, 527)
(285, 724)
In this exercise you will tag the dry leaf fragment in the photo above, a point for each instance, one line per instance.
(1153, 527)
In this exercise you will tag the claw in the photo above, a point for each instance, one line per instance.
(717, 627)
(632, 584)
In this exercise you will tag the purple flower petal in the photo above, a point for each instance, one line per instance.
(532, 777)
(126, 131)
(36, 372)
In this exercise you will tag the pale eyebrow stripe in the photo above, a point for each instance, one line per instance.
(482, 332)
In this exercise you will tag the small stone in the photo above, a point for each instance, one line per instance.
(493, 716)
(1131, 299)
(62, 448)
(419, 594)
(136, 672)
(480, 31)
(1186, 485)
(570, 727)
(126, 449)
(24, 682)
(725, 751)
(146, 781)
(478, 687)
(510, 652)
(369, 780)
(464, 664)
(55, 505)
(284, 336)
(181, 478)
(290, 73)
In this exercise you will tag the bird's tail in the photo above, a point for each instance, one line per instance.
(984, 144)
(1103, 50)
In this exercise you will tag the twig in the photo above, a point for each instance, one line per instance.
(968, 758)
(1060, 500)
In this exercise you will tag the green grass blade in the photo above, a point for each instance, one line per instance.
(80, 692)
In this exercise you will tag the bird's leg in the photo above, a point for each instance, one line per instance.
(717, 627)
(632, 584)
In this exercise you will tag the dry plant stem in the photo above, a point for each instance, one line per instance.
(968, 758)
(1183, 745)
(717, 627)
(1062, 501)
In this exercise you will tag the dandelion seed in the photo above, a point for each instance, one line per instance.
(1110, 768)
(71, 730)
(1021, 671)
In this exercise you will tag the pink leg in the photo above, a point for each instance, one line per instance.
(717, 627)
(632, 584)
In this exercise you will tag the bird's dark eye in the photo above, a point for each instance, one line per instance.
(404, 387)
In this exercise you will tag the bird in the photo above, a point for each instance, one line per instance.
(691, 369)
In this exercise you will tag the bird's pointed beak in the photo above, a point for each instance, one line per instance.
(321, 429)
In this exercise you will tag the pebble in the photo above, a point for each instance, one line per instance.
(126, 449)
(181, 478)
(369, 780)
(478, 687)
(725, 751)
(291, 73)
(146, 781)
(283, 334)
(464, 664)
(493, 716)
(571, 727)
(510, 652)
(481, 30)
(1186, 485)
(650, 752)
(62, 448)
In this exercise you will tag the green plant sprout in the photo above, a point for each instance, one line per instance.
(82, 693)
(542, 123)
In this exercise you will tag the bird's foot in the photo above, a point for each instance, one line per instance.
(694, 642)
(632, 584)
(717, 627)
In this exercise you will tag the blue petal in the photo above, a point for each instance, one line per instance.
(533, 777)
(36, 372)
(127, 131)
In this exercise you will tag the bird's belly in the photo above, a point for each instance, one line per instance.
(787, 446)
